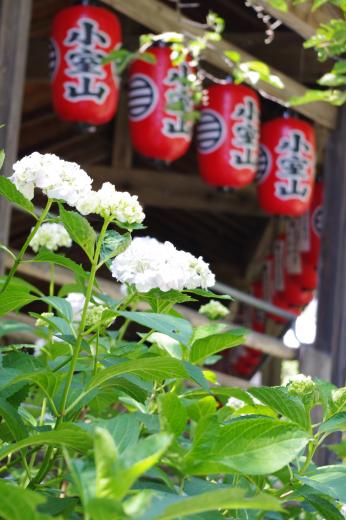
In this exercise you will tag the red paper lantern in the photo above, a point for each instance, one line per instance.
(308, 278)
(315, 225)
(158, 131)
(286, 166)
(228, 136)
(83, 89)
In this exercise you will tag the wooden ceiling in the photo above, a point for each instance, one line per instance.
(228, 229)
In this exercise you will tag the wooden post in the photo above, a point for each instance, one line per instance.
(330, 347)
(14, 34)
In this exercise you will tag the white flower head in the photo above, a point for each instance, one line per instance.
(94, 311)
(57, 178)
(51, 236)
(110, 203)
(301, 385)
(148, 264)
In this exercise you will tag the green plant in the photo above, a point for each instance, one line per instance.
(115, 416)
(329, 42)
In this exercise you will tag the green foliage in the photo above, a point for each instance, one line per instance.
(8, 190)
(118, 419)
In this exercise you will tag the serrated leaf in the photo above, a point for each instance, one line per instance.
(12, 299)
(60, 304)
(320, 503)
(281, 401)
(79, 230)
(10, 192)
(54, 258)
(205, 347)
(176, 328)
(113, 244)
(17, 503)
(209, 294)
(336, 423)
(328, 480)
(68, 435)
(173, 416)
(235, 498)
(258, 445)
(13, 420)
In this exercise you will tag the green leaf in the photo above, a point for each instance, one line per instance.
(61, 305)
(258, 445)
(12, 299)
(115, 476)
(328, 480)
(150, 369)
(79, 230)
(233, 56)
(320, 503)
(18, 504)
(54, 258)
(173, 416)
(13, 420)
(235, 498)
(105, 509)
(176, 328)
(2, 157)
(282, 402)
(48, 382)
(209, 294)
(8, 190)
(336, 423)
(18, 284)
(205, 347)
(124, 430)
(281, 5)
(113, 244)
(68, 435)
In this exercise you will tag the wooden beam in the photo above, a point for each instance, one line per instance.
(14, 32)
(299, 17)
(175, 190)
(160, 18)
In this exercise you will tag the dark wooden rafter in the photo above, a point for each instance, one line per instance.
(175, 190)
(14, 31)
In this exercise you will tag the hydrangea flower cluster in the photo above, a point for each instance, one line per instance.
(58, 179)
(339, 399)
(94, 312)
(110, 203)
(214, 310)
(66, 181)
(148, 264)
(51, 236)
(234, 402)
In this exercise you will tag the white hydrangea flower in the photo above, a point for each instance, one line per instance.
(148, 264)
(58, 179)
(94, 312)
(51, 236)
(108, 202)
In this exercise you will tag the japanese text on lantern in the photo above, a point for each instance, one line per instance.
(245, 134)
(179, 102)
(294, 164)
(84, 62)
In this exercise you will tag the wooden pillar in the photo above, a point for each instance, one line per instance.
(330, 347)
(14, 34)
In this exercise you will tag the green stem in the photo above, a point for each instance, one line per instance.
(123, 329)
(83, 320)
(26, 244)
(96, 353)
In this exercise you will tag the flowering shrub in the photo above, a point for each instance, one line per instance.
(114, 417)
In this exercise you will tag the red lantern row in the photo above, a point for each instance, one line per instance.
(228, 133)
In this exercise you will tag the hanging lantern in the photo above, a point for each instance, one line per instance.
(286, 167)
(315, 225)
(83, 89)
(308, 278)
(228, 136)
(158, 129)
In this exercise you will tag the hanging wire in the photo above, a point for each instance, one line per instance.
(271, 23)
